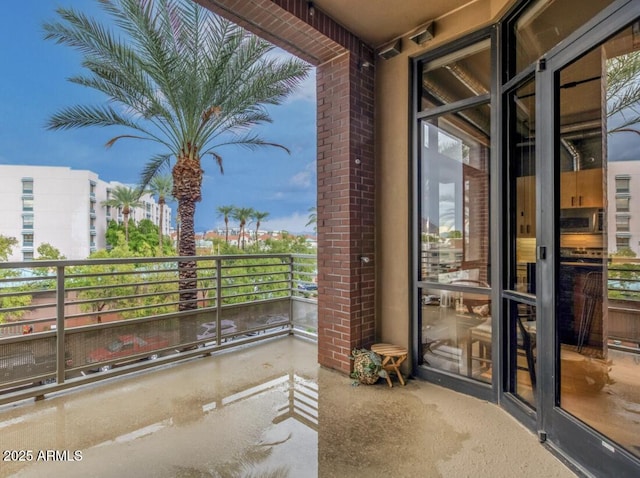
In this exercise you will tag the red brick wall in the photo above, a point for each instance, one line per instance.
(346, 213)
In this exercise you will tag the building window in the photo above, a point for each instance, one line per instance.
(27, 221)
(27, 186)
(92, 188)
(27, 256)
(27, 240)
(622, 223)
(622, 204)
(92, 223)
(622, 185)
(27, 204)
(622, 243)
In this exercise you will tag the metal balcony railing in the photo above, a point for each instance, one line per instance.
(61, 322)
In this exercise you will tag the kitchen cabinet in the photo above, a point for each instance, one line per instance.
(581, 188)
(526, 206)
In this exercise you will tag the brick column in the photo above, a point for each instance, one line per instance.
(346, 199)
(346, 196)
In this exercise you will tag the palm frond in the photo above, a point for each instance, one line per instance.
(82, 116)
(249, 141)
(218, 159)
(113, 140)
(154, 167)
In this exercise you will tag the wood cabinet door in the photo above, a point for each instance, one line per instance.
(581, 188)
(589, 188)
(568, 197)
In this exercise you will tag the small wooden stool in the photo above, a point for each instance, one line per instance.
(392, 358)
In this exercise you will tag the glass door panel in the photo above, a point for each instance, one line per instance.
(454, 248)
(598, 297)
(521, 285)
(524, 353)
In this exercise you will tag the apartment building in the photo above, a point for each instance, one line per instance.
(624, 214)
(62, 207)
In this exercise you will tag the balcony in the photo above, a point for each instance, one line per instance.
(229, 389)
(267, 410)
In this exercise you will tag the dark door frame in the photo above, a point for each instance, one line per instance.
(598, 454)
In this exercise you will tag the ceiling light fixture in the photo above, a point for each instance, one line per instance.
(312, 8)
(423, 34)
(390, 49)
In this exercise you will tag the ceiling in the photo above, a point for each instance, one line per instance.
(385, 20)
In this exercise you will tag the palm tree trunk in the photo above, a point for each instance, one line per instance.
(125, 214)
(161, 203)
(187, 181)
(226, 233)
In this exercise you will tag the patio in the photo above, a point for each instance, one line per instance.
(266, 409)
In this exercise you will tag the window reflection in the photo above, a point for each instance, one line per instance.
(598, 298)
(455, 199)
(546, 23)
(455, 77)
(456, 318)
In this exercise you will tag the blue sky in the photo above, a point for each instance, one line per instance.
(33, 86)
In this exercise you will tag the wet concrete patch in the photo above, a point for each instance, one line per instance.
(379, 431)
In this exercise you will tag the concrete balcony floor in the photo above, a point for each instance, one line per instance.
(266, 410)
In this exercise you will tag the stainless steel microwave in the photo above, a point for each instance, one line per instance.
(574, 221)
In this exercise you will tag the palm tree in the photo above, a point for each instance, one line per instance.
(226, 212)
(161, 186)
(313, 218)
(181, 77)
(243, 216)
(623, 92)
(259, 216)
(125, 199)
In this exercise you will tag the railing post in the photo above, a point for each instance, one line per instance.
(60, 349)
(291, 266)
(218, 299)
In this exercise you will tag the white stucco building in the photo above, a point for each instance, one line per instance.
(62, 207)
(624, 212)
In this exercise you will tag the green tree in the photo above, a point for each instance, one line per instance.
(6, 246)
(258, 216)
(161, 186)
(143, 238)
(181, 77)
(47, 252)
(12, 295)
(243, 216)
(226, 212)
(624, 252)
(125, 199)
(128, 289)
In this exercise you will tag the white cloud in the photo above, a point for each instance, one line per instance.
(293, 223)
(305, 178)
(301, 180)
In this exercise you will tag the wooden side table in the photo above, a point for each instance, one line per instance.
(392, 358)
